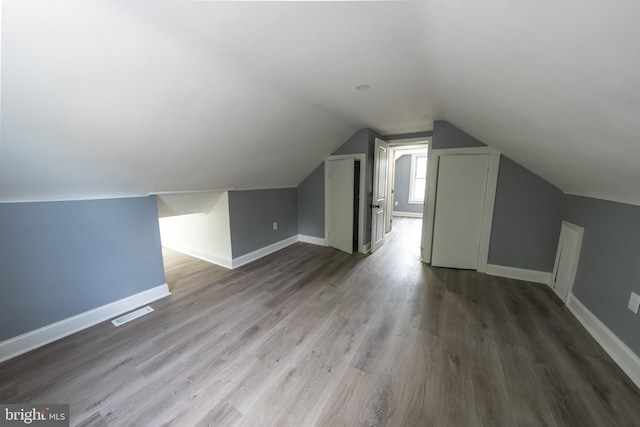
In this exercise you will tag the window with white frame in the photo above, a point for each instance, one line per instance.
(418, 178)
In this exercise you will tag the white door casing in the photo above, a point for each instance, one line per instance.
(425, 210)
(379, 199)
(567, 257)
(391, 178)
(328, 207)
(430, 201)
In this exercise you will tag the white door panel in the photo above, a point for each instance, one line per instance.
(459, 209)
(341, 174)
(564, 272)
(379, 205)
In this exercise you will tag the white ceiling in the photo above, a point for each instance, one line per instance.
(117, 98)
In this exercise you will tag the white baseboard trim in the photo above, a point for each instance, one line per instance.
(320, 241)
(519, 273)
(624, 357)
(197, 253)
(244, 259)
(257, 254)
(366, 249)
(31, 340)
(407, 214)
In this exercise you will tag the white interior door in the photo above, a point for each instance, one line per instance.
(341, 175)
(459, 210)
(379, 204)
(564, 272)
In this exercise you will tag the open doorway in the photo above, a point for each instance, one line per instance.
(407, 184)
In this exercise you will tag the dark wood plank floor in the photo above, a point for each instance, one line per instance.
(313, 336)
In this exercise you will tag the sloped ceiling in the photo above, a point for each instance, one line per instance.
(117, 98)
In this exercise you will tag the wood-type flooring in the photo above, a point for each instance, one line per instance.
(313, 336)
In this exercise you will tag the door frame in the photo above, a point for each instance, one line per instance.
(362, 158)
(567, 226)
(398, 145)
(489, 201)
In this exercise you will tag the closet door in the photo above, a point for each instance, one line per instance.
(459, 210)
(564, 272)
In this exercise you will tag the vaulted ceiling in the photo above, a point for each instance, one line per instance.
(116, 98)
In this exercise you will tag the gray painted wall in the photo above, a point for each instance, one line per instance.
(311, 204)
(60, 259)
(252, 214)
(527, 218)
(445, 135)
(402, 185)
(608, 269)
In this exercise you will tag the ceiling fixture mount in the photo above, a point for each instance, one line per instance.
(362, 87)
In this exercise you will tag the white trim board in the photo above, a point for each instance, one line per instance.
(197, 253)
(624, 357)
(31, 340)
(311, 239)
(409, 143)
(519, 273)
(217, 190)
(262, 252)
(251, 256)
(79, 198)
(407, 214)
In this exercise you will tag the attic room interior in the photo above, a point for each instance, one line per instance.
(206, 217)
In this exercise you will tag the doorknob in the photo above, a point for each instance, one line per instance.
(375, 206)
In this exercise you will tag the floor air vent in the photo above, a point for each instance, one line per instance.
(133, 315)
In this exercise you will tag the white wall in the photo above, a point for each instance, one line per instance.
(197, 224)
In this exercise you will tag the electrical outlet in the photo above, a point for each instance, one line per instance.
(275, 225)
(634, 302)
